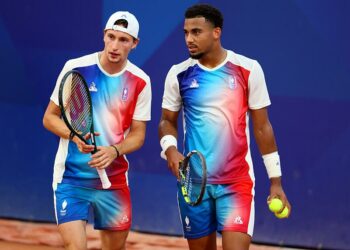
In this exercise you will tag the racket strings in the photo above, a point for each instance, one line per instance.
(188, 181)
(77, 104)
(193, 175)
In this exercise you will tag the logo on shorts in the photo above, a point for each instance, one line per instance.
(125, 94)
(238, 220)
(63, 210)
(187, 221)
(125, 219)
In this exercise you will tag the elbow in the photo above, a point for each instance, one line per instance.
(45, 122)
(141, 142)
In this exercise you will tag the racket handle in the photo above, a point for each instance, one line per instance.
(104, 178)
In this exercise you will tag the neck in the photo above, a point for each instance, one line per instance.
(213, 58)
(109, 67)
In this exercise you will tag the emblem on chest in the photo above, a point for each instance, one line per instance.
(125, 94)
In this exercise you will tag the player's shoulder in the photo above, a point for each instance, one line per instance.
(182, 66)
(241, 60)
(82, 61)
(135, 70)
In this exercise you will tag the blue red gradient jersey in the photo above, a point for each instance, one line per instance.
(216, 104)
(117, 100)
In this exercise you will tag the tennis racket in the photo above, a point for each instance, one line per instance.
(76, 109)
(193, 177)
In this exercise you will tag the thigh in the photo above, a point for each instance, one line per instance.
(197, 221)
(113, 240)
(235, 207)
(112, 209)
(235, 240)
(204, 243)
(71, 203)
(73, 234)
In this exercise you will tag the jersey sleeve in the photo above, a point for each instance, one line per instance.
(171, 98)
(54, 95)
(143, 104)
(258, 94)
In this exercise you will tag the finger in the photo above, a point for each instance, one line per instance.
(103, 164)
(98, 161)
(98, 154)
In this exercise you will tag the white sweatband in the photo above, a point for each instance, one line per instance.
(272, 164)
(166, 142)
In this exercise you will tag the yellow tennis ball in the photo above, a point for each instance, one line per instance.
(283, 214)
(275, 205)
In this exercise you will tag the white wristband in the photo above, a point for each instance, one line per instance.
(166, 142)
(272, 164)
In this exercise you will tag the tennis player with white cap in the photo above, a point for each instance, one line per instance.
(121, 98)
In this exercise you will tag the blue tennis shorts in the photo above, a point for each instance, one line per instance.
(111, 208)
(225, 207)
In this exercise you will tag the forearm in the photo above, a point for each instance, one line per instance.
(130, 144)
(56, 125)
(167, 128)
(133, 141)
(265, 138)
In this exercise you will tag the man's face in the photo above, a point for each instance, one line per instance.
(118, 45)
(199, 36)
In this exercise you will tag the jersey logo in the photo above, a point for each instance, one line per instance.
(194, 84)
(125, 94)
(232, 84)
(92, 87)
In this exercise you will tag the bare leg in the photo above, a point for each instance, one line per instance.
(235, 241)
(113, 240)
(204, 243)
(74, 235)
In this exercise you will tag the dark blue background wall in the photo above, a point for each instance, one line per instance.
(304, 49)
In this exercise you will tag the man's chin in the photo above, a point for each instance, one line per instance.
(196, 56)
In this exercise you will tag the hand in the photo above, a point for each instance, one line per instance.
(174, 158)
(103, 157)
(82, 146)
(276, 191)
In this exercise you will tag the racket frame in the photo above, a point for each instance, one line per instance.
(185, 164)
(101, 172)
(61, 105)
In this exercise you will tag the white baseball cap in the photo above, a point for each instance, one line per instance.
(133, 25)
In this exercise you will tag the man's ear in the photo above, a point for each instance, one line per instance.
(136, 42)
(217, 33)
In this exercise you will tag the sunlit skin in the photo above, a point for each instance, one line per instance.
(203, 41)
(117, 48)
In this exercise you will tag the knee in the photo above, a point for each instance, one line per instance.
(74, 246)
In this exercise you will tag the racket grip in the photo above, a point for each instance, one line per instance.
(104, 178)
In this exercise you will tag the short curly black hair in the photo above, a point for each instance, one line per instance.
(207, 11)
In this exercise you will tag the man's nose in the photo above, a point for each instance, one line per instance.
(189, 38)
(115, 45)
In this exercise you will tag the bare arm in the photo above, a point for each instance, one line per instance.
(133, 141)
(168, 126)
(168, 123)
(52, 121)
(266, 142)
